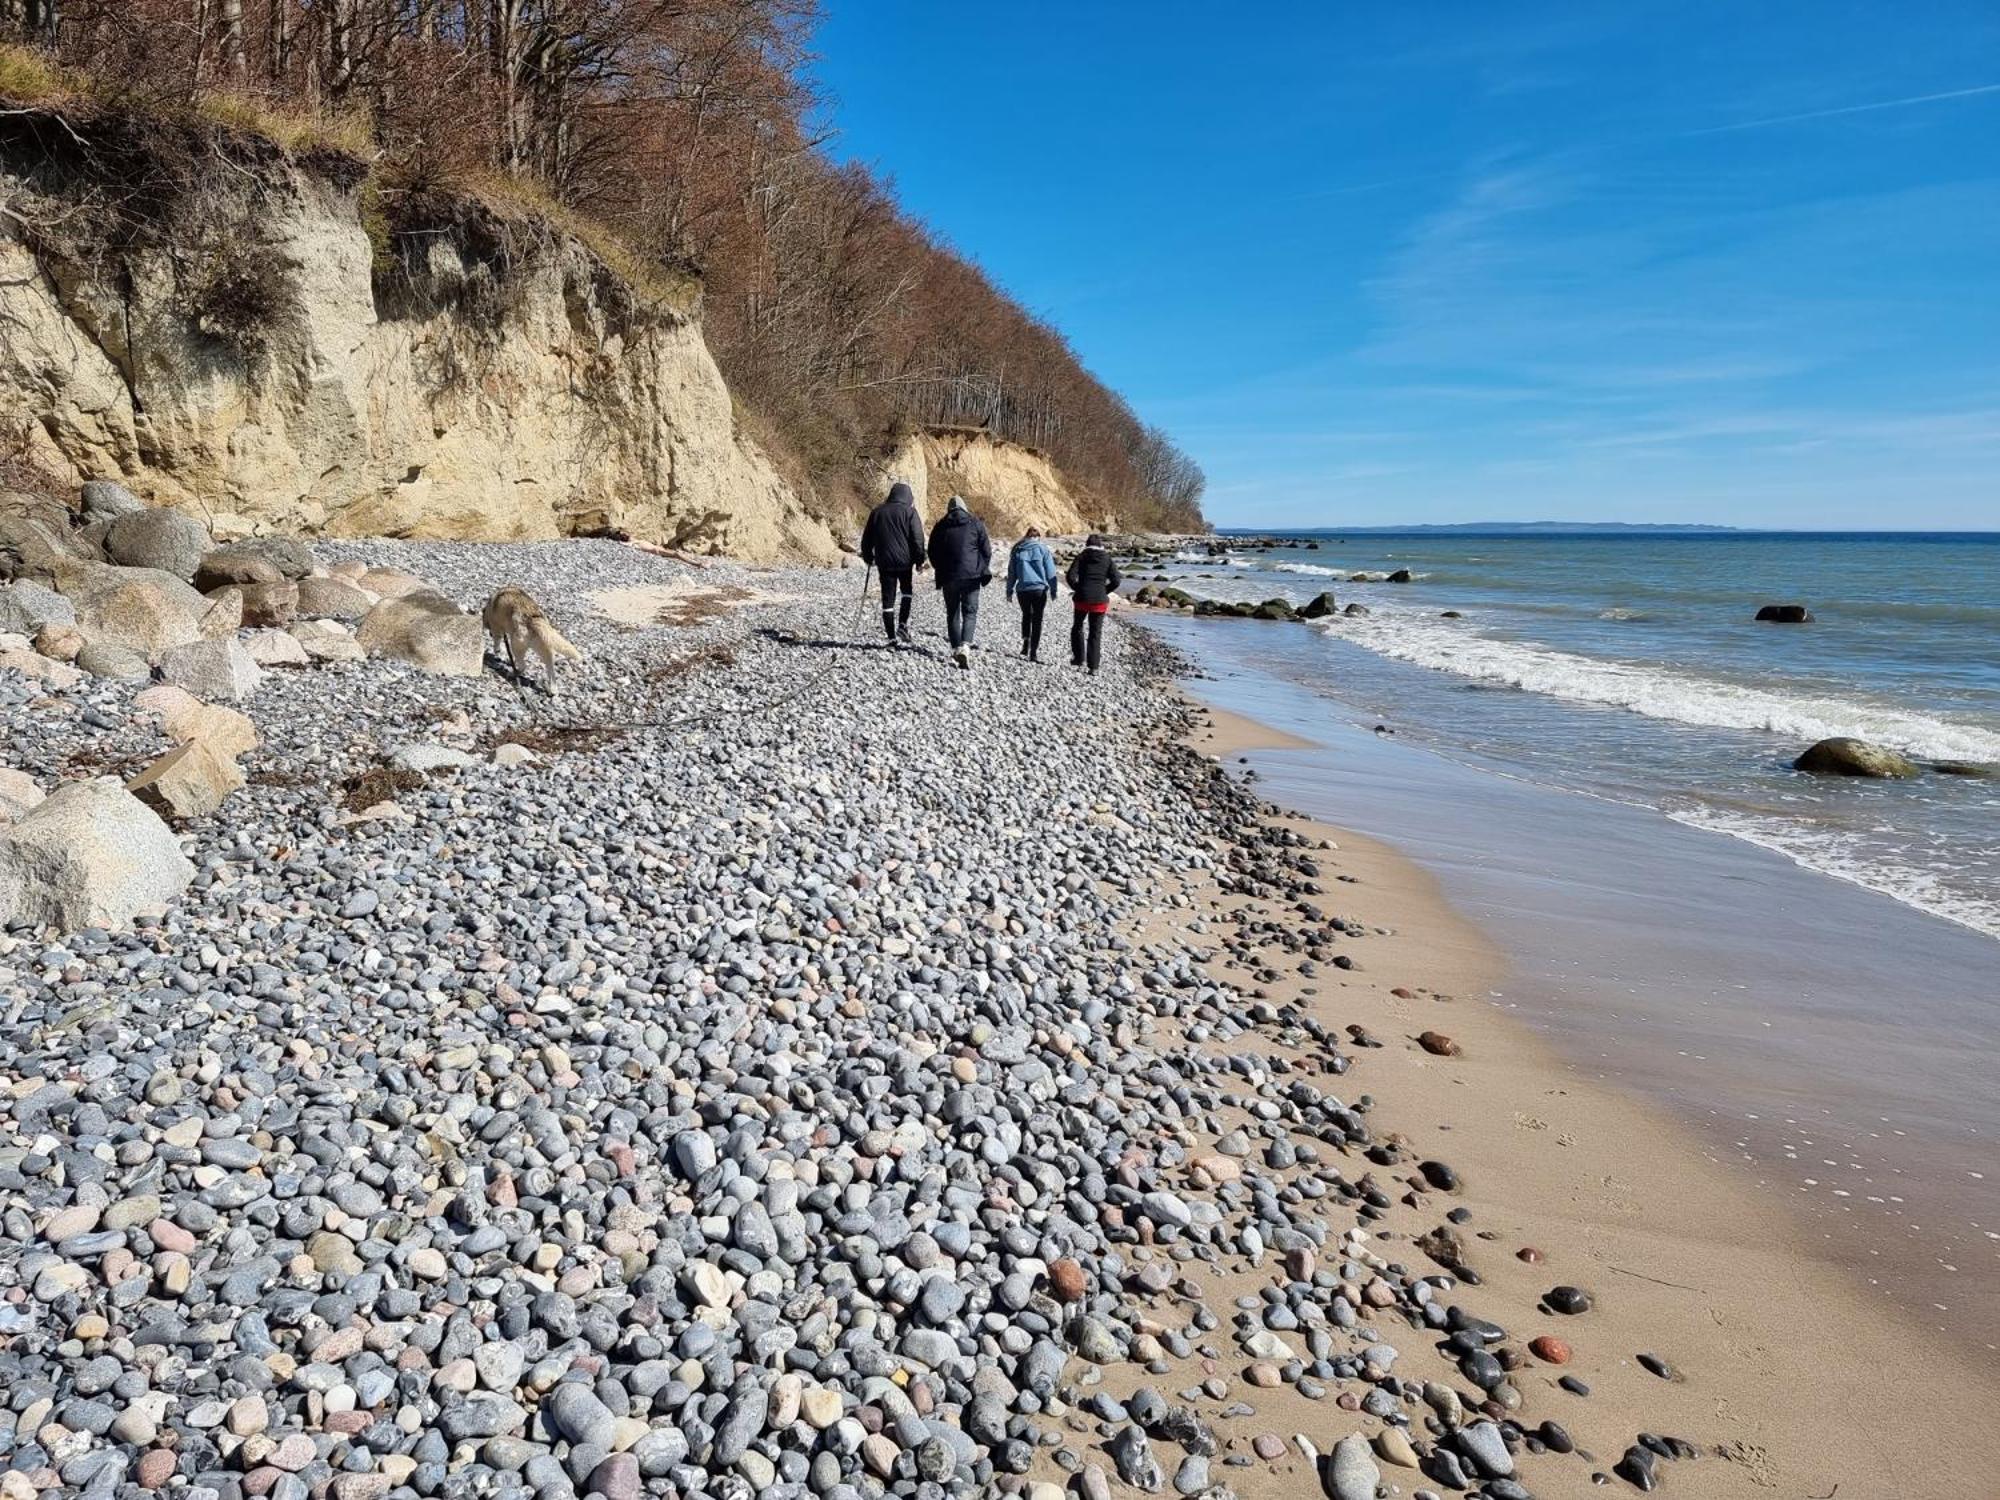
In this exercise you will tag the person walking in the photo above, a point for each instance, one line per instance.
(1031, 582)
(961, 556)
(1092, 578)
(893, 543)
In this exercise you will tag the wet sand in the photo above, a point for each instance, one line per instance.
(1787, 1376)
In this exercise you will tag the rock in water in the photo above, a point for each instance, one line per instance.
(426, 630)
(1843, 756)
(1319, 606)
(1402, 575)
(90, 855)
(1352, 1473)
(1784, 614)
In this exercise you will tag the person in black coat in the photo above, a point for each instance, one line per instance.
(962, 558)
(893, 543)
(1092, 578)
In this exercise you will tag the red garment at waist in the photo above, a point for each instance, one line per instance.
(1092, 609)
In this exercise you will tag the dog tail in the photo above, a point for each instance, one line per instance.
(549, 641)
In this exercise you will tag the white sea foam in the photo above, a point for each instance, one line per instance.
(1661, 693)
(1832, 852)
(1314, 570)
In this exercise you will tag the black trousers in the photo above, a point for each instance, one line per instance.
(1033, 602)
(896, 581)
(961, 613)
(1086, 637)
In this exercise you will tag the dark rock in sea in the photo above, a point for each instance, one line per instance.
(1355, 609)
(1785, 614)
(1275, 609)
(1319, 607)
(1569, 1300)
(1982, 769)
(1402, 575)
(1842, 756)
(1450, 614)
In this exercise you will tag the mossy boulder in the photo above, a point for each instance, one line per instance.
(1843, 756)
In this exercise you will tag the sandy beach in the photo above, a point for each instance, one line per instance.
(1685, 1259)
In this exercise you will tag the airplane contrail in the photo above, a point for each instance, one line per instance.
(1851, 109)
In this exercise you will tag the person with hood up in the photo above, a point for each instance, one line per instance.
(1092, 578)
(1031, 582)
(893, 543)
(962, 560)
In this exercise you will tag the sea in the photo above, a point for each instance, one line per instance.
(1630, 667)
(1587, 740)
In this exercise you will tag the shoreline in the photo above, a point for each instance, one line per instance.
(839, 1068)
(1685, 1258)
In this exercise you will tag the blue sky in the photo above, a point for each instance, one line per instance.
(1369, 263)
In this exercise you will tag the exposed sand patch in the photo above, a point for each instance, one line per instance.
(685, 601)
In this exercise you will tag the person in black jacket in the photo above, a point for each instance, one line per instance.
(893, 542)
(962, 560)
(1092, 578)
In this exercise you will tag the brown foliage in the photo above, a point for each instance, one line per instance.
(685, 129)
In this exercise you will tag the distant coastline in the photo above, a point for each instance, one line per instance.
(1488, 528)
(1653, 529)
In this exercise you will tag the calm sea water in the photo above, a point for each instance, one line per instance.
(1629, 667)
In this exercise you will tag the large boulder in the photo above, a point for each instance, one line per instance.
(227, 565)
(275, 648)
(189, 781)
(290, 556)
(19, 795)
(1319, 606)
(106, 500)
(1275, 609)
(333, 599)
(327, 640)
(90, 855)
(426, 630)
(185, 718)
(1402, 575)
(392, 583)
(163, 539)
(141, 609)
(1784, 614)
(26, 606)
(221, 671)
(269, 604)
(114, 663)
(1850, 757)
(58, 675)
(36, 535)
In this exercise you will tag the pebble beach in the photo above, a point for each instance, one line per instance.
(774, 1065)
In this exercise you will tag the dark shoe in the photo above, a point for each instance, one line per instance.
(903, 636)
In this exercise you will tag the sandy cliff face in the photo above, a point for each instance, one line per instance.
(490, 383)
(1009, 486)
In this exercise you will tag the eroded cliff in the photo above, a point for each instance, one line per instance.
(224, 334)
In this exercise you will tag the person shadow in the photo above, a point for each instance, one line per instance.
(780, 636)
